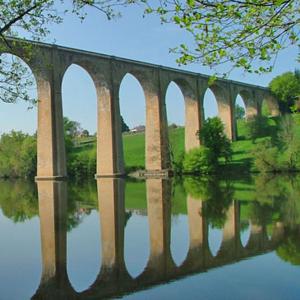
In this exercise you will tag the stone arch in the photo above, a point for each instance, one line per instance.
(271, 103)
(156, 138)
(210, 104)
(132, 99)
(225, 110)
(192, 109)
(80, 76)
(109, 158)
(29, 80)
(50, 142)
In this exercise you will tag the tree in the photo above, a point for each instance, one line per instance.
(32, 17)
(286, 88)
(246, 34)
(239, 112)
(17, 155)
(124, 126)
(214, 138)
(71, 128)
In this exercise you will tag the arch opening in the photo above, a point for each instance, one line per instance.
(79, 101)
(245, 232)
(240, 117)
(210, 104)
(175, 105)
(215, 238)
(136, 246)
(83, 249)
(180, 238)
(18, 112)
(133, 112)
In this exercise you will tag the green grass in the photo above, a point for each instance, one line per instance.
(134, 147)
(134, 150)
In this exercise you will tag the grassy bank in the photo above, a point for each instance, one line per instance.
(134, 148)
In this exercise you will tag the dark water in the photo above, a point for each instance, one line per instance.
(196, 239)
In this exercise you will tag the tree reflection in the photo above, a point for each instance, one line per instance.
(289, 250)
(18, 200)
(218, 195)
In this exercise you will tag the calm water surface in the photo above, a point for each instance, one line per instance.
(206, 238)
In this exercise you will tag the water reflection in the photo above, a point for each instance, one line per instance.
(255, 216)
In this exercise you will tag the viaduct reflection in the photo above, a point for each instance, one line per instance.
(113, 278)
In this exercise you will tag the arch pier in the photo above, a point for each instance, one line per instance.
(49, 64)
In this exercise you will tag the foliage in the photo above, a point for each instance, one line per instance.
(17, 155)
(256, 127)
(124, 126)
(286, 88)
(199, 161)
(176, 140)
(82, 165)
(245, 34)
(212, 136)
(71, 128)
(266, 157)
(281, 154)
(32, 18)
(216, 195)
(239, 112)
(289, 250)
(18, 200)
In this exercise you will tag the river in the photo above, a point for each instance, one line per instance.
(189, 238)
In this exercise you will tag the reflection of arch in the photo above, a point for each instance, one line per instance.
(215, 240)
(52, 212)
(159, 210)
(179, 238)
(245, 234)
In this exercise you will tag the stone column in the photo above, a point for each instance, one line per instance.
(193, 118)
(251, 107)
(110, 159)
(51, 162)
(112, 219)
(159, 216)
(224, 97)
(231, 232)
(157, 146)
(198, 231)
(272, 104)
(52, 211)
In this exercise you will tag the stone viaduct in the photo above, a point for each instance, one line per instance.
(49, 63)
(113, 279)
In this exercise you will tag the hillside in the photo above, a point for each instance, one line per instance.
(134, 147)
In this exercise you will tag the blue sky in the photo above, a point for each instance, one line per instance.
(134, 37)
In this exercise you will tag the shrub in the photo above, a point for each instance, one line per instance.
(256, 127)
(199, 161)
(214, 138)
(266, 157)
